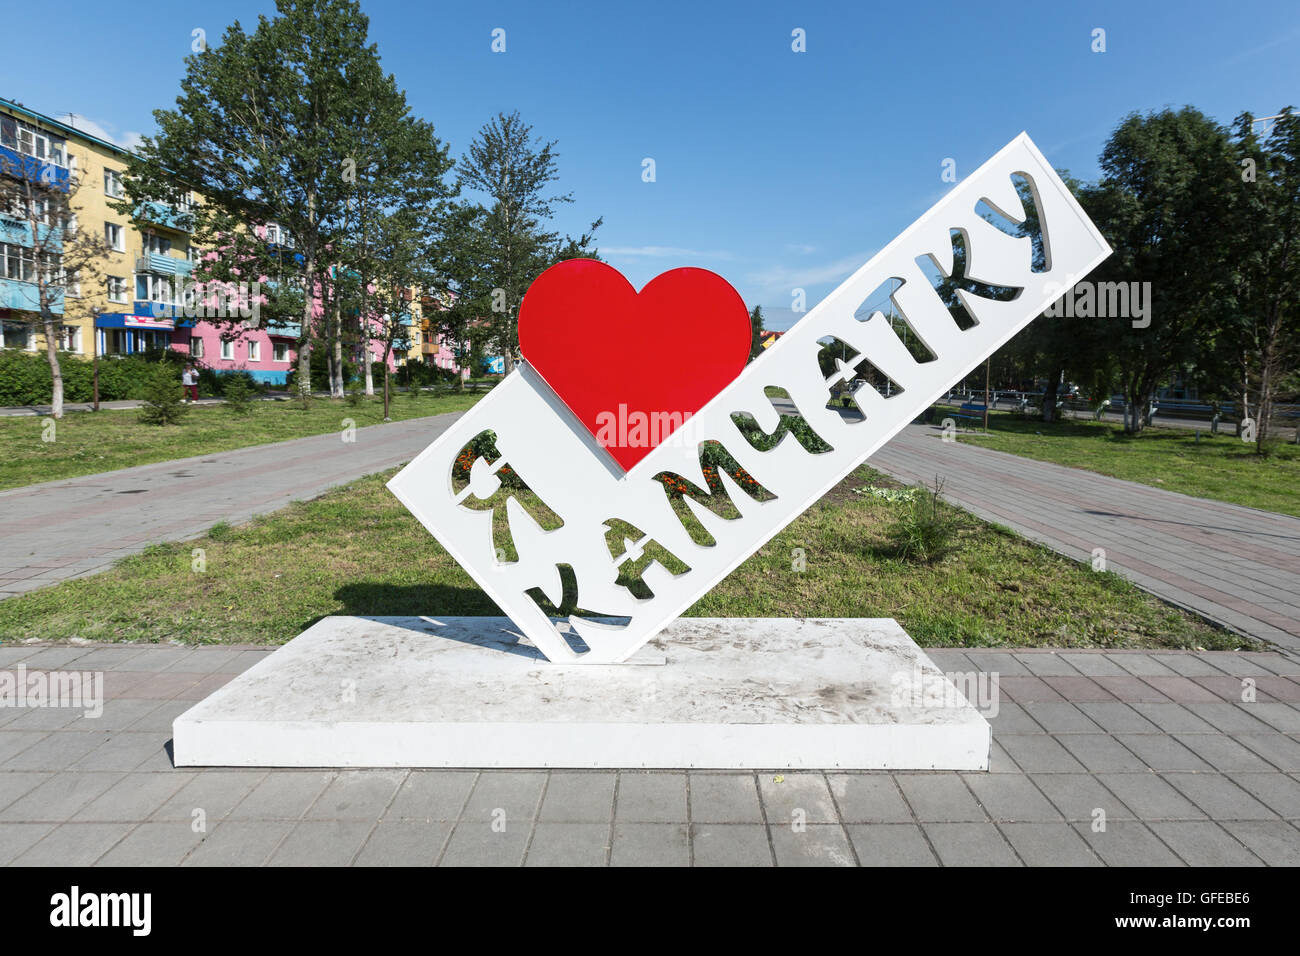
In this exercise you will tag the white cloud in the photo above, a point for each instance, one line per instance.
(800, 248)
(777, 282)
(128, 140)
(663, 252)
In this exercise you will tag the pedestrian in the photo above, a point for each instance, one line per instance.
(190, 379)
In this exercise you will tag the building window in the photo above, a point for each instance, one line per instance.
(157, 245)
(152, 287)
(228, 351)
(17, 262)
(255, 351)
(70, 338)
(15, 335)
(116, 289)
(115, 236)
(281, 352)
(196, 346)
(113, 184)
(278, 236)
(32, 142)
(38, 210)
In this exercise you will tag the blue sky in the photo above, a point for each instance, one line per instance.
(776, 169)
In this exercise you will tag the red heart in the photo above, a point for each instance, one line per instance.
(633, 367)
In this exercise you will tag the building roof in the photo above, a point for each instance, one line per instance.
(69, 131)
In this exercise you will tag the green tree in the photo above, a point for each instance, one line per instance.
(501, 247)
(1262, 330)
(756, 332)
(405, 269)
(164, 397)
(1055, 346)
(257, 131)
(397, 214)
(1164, 203)
(48, 251)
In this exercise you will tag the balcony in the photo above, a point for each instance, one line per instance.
(25, 297)
(163, 265)
(287, 330)
(13, 163)
(17, 231)
(161, 214)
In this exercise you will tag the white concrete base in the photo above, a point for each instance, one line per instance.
(721, 693)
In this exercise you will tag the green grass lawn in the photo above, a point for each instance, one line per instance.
(1220, 466)
(89, 442)
(356, 550)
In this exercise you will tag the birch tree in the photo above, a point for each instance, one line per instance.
(49, 251)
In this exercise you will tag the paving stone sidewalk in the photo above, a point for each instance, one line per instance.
(65, 529)
(1100, 758)
(1237, 566)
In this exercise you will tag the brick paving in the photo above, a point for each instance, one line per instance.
(1233, 565)
(1100, 758)
(58, 530)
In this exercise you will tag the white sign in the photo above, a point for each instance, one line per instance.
(611, 522)
(147, 322)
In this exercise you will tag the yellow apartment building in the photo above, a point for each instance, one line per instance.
(118, 311)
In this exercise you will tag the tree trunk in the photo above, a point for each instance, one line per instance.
(304, 334)
(1136, 398)
(1049, 396)
(94, 360)
(1243, 412)
(338, 386)
(1265, 404)
(56, 373)
(308, 298)
(1267, 361)
(365, 347)
(507, 351)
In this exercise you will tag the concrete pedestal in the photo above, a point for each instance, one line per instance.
(721, 693)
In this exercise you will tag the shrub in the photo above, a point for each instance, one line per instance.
(163, 396)
(924, 530)
(798, 429)
(484, 445)
(25, 376)
(239, 392)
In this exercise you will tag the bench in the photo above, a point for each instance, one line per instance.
(971, 411)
